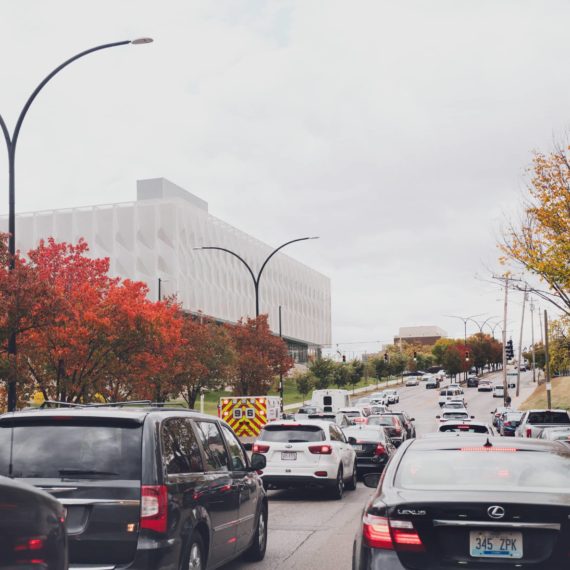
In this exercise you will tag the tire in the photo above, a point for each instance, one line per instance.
(194, 558)
(338, 490)
(351, 485)
(256, 551)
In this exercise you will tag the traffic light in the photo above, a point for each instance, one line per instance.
(385, 357)
(466, 355)
(415, 355)
(344, 357)
(509, 350)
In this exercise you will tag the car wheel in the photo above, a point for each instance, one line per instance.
(256, 551)
(351, 485)
(338, 489)
(195, 554)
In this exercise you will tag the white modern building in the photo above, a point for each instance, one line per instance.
(153, 240)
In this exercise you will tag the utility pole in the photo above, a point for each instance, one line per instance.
(505, 384)
(540, 327)
(159, 289)
(532, 340)
(520, 341)
(547, 364)
(280, 371)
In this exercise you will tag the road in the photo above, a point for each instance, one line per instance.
(307, 530)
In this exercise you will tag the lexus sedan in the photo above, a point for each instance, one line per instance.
(473, 501)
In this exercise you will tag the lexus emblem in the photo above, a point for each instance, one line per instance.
(496, 512)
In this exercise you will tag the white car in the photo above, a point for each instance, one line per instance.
(379, 398)
(355, 414)
(454, 426)
(498, 391)
(393, 396)
(446, 394)
(412, 381)
(310, 453)
(451, 405)
(457, 387)
(459, 415)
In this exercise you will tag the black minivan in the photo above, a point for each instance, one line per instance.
(144, 488)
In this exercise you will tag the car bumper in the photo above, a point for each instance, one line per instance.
(370, 464)
(286, 481)
(366, 558)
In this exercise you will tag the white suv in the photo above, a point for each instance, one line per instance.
(305, 454)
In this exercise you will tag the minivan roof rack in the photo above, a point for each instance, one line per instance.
(48, 403)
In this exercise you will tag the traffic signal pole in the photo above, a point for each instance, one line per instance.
(506, 397)
(520, 342)
(547, 364)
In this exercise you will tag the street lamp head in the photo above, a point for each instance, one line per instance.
(140, 41)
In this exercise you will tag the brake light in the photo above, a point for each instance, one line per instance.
(154, 507)
(320, 449)
(488, 449)
(507, 424)
(528, 432)
(29, 544)
(380, 532)
(380, 450)
(260, 448)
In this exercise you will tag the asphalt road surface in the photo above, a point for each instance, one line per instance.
(309, 531)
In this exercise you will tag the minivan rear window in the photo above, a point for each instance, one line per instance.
(67, 448)
(292, 433)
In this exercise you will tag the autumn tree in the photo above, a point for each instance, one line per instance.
(260, 356)
(305, 381)
(540, 241)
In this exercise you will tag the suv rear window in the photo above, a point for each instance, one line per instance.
(548, 417)
(71, 448)
(465, 428)
(292, 434)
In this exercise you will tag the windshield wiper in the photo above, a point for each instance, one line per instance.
(64, 472)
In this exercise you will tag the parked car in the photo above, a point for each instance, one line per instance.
(393, 426)
(508, 423)
(472, 382)
(146, 488)
(32, 528)
(484, 386)
(534, 421)
(311, 453)
(444, 502)
(372, 446)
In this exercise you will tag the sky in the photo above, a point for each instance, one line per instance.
(398, 132)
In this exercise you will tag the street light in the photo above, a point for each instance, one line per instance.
(465, 319)
(252, 274)
(484, 322)
(11, 142)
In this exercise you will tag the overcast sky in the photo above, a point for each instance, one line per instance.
(399, 132)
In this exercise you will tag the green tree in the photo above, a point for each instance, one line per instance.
(342, 375)
(356, 372)
(305, 383)
(323, 369)
(440, 348)
(397, 364)
(381, 368)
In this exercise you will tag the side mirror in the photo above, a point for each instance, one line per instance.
(437, 417)
(248, 446)
(352, 440)
(412, 419)
(258, 461)
(472, 417)
(371, 480)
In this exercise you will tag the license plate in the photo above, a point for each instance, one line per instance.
(288, 455)
(357, 447)
(495, 544)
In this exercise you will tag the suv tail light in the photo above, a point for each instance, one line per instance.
(380, 450)
(320, 449)
(260, 448)
(154, 507)
(380, 532)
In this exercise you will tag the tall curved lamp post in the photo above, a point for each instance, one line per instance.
(11, 142)
(464, 319)
(256, 278)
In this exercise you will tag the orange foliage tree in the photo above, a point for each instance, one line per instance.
(260, 356)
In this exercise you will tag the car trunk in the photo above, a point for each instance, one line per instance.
(462, 533)
(93, 467)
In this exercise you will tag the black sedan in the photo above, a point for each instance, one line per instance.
(32, 528)
(472, 382)
(406, 421)
(372, 446)
(472, 501)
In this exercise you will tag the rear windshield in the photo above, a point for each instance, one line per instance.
(465, 428)
(292, 434)
(548, 417)
(513, 417)
(471, 468)
(381, 421)
(71, 449)
(365, 434)
(455, 416)
(352, 414)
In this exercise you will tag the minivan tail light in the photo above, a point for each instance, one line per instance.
(528, 432)
(320, 449)
(380, 450)
(154, 507)
(260, 448)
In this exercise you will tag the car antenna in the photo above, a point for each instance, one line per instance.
(487, 443)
